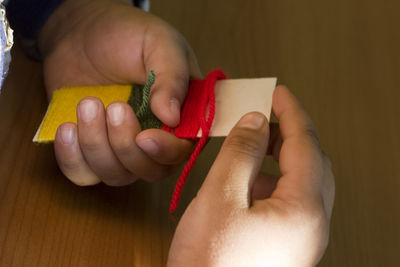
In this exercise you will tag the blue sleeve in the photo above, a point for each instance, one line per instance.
(143, 4)
(27, 17)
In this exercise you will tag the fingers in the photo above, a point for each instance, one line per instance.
(103, 148)
(165, 53)
(69, 156)
(300, 159)
(123, 127)
(238, 163)
(93, 140)
(164, 147)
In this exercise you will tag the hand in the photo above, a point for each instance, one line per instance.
(100, 42)
(241, 217)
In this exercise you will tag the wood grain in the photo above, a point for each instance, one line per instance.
(341, 58)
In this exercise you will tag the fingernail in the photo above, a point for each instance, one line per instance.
(115, 114)
(253, 121)
(175, 107)
(148, 146)
(67, 135)
(88, 110)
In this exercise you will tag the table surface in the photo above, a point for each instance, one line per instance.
(341, 58)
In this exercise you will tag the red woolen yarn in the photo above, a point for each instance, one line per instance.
(193, 118)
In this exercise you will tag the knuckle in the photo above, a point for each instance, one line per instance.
(69, 166)
(173, 81)
(311, 133)
(247, 144)
(91, 143)
(122, 145)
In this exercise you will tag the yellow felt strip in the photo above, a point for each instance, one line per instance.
(63, 105)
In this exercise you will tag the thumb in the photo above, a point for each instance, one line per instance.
(232, 175)
(170, 57)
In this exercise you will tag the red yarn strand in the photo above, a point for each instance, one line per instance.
(200, 96)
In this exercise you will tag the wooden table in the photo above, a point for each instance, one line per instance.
(341, 58)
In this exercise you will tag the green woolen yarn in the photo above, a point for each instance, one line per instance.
(140, 102)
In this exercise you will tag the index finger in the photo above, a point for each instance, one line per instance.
(300, 160)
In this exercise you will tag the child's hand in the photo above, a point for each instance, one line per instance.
(99, 42)
(241, 217)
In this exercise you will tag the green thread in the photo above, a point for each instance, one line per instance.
(140, 102)
(146, 95)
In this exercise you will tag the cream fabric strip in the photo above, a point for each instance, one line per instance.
(236, 97)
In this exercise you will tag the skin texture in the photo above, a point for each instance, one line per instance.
(241, 217)
(101, 42)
